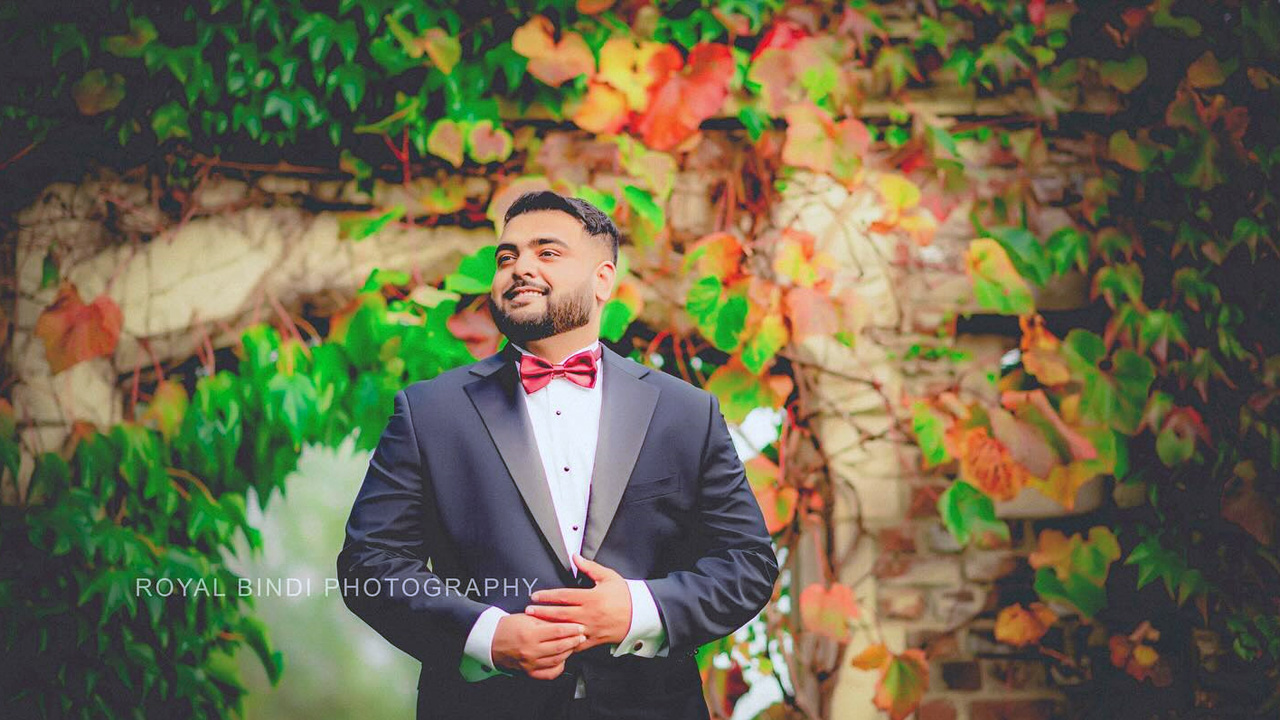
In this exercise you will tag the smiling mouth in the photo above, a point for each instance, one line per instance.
(524, 292)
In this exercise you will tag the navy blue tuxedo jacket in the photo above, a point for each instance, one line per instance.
(455, 490)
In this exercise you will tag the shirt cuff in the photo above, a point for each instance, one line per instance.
(477, 654)
(646, 637)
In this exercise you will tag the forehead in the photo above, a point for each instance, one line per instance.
(528, 227)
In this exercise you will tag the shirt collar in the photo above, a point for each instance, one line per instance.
(592, 346)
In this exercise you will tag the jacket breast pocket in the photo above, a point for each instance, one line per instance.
(639, 489)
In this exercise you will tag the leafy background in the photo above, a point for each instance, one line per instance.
(1167, 388)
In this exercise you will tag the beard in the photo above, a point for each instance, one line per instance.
(561, 312)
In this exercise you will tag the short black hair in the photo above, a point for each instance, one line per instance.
(596, 223)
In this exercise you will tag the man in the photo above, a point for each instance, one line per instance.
(591, 515)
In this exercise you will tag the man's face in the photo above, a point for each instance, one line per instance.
(550, 277)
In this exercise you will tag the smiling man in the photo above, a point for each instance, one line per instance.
(611, 489)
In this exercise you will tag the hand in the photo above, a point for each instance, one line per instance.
(604, 610)
(535, 647)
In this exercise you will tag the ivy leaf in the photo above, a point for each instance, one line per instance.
(1116, 395)
(474, 275)
(1123, 149)
(816, 142)
(929, 426)
(447, 141)
(1207, 72)
(768, 338)
(903, 681)
(1026, 252)
(829, 610)
(96, 93)
(444, 49)
(894, 64)
(603, 111)
(170, 121)
(1124, 75)
(550, 61)
(141, 33)
(359, 225)
(1020, 626)
(167, 407)
(740, 391)
(970, 515)
(997, 285)
(487, 143)
(680, 101)
(74, 332)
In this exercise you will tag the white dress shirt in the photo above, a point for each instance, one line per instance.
(566, 423)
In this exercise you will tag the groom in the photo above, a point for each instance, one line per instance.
(554, 530)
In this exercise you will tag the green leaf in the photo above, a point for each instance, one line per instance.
(1124, 75)
(475, 273)
(969, 514)
(1026, 252)
(929, 426)
(358, 226)
(1077, 591)
(642, 202)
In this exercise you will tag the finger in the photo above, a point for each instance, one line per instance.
(547, 674)
(560, 596)
(552, 631)
(551, 661)
(563, 645)
(593, 569)
(554, 613)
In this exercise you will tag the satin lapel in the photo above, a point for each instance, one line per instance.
(626, 407)
(507, 419)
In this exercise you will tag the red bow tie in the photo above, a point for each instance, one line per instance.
(580, 367)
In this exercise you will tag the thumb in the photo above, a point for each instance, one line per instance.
(593, 569)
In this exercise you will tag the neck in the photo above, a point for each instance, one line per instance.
(557, 348)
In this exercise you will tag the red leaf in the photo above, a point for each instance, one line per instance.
(783, 35)
(682, 100)
(74, 332)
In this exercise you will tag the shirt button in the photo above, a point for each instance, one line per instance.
(639, 644)
(566, 468)
(557, 412)
(575, 527)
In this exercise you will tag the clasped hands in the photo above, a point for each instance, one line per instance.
(565, 621)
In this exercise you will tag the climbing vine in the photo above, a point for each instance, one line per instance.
(1173, 397)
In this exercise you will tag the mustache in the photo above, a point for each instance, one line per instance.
(517, 288)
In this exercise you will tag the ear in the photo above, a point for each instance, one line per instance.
(605, 276)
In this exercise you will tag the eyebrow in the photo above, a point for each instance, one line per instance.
(540, 240)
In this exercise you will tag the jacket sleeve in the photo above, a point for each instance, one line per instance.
(383, 569)
(733, 579)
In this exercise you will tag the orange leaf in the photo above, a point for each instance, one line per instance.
(816, 142)
(986, 464)
(1040, 351)
(1018, 626)
(903, 680)
(591, 7)
(633, 68)
(872, 658)
(682, 100)
(810, 313)
(718, 254)
(829, 610)
(552, 62)
(74, 332)
(603, 111)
